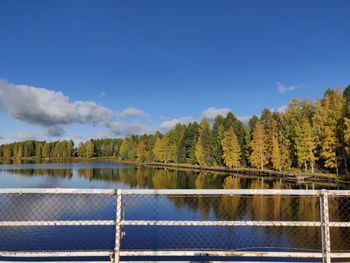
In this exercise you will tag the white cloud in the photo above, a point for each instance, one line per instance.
(212, 112)
(281, 88)
(126, 129)
(89, 112)
(244, 119)
(49, 109)
(279, 109)
(24, 136)
(169, 124)
(132, 112)
(55, 131)
(53, 111)
(79, 137)
(1, 137)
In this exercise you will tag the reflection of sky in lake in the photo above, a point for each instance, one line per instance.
(12, 176)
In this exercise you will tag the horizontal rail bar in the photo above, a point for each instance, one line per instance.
(55, 191)
(80, 261)
(240, 261)
(102, 253)
(168, 223)
(219, 192)
(164, 223)
(339, 224)
(173, 191)
(224, 253)
(161, 253)
(59, 223)
(70, 261)
(234, 253)
(135, 260)
(218, 223)
(340, 255)
(170, 253)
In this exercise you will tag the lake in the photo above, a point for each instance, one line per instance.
(114, 175)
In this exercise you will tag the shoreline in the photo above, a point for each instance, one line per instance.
(290, 176)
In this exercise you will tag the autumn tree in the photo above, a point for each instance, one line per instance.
(291, 119)
(141, 151)
(305, 145)
(327, 119)
(159, 149)
(258, 157)
(19, 152)
(240, 131)
(275, 154)
(285, 158)
(347, 135)
(271, 140)
(46, 151)
(174, 137)
(231, 149)
(7, 153)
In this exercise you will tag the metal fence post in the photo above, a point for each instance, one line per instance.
(118, 229)
(326, 241)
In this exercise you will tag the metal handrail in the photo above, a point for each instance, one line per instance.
(115, 254)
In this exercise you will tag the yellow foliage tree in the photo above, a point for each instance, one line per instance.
(275, 154)
(199, 152)
(327, 120)
(347, 135)
(258, 157)
(159, 149)
(286, 161)
(231, 149)
(305, 145)
(141, 151)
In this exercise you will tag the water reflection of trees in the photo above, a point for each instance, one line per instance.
(228, 205)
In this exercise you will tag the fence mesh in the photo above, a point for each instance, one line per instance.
(87, 222)
(339, 211)
(213, 208)
(40, 208)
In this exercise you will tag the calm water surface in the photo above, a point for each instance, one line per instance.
(113, 175)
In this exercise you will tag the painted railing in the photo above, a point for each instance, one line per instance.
(124, 223)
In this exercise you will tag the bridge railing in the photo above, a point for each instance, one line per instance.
(124, 223)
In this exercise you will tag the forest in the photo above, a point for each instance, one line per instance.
(305, 136)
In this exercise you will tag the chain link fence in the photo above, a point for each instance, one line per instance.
(118, 223)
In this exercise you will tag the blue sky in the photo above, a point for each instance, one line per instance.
(111, 68)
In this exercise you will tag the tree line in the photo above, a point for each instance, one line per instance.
(38, 149)
(305, 135)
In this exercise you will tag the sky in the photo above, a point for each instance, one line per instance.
(93, 69)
